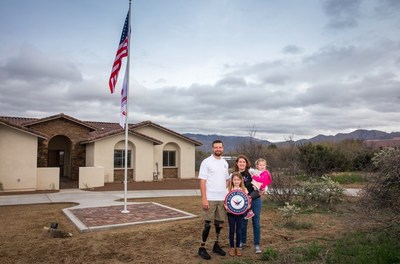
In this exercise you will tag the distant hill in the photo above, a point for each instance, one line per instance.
(356, 134)
(230, 142)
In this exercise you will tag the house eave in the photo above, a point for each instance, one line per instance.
(23, 129)
(119, 132)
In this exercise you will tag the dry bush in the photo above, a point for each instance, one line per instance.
(382, 193)
(283, 188)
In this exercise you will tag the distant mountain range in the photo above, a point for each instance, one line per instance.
(230, 142)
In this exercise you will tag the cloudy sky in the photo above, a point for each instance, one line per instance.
(285, 69)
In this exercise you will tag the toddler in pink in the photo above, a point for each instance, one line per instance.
(261, 176)
(261, 180)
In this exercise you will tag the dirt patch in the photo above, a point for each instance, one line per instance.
(24, 240)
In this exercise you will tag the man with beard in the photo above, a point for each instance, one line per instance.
(214, 179)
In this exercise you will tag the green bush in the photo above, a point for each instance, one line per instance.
(309, 253)
(269, 254)
(312, 251)
(347, 177)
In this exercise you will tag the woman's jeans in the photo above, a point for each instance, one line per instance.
(256, 207)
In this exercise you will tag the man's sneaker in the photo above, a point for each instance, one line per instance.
(203, 253)
(249, 215)
(218, 250)
(242, 245)
(257, 249)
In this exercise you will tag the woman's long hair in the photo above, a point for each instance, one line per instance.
(248, 163)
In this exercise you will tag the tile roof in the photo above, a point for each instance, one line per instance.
(61, 115)
(6, 122)
(99, 130)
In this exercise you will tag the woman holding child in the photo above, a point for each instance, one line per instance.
(242, 165)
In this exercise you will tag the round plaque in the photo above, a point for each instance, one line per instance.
(237, 202)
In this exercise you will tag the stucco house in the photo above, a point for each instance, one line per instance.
(38, 153)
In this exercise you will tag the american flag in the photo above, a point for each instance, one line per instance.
(124, 98)
(122, 52)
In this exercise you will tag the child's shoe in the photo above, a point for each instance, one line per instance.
(249, 215)
(232, 252)
(238, 252)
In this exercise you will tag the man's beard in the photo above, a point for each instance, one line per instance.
(218, 153)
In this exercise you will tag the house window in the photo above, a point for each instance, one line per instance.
(169, 158)
(119, 158)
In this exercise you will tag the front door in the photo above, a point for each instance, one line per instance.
(56, 159)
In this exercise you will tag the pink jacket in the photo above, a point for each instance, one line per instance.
(263, 179)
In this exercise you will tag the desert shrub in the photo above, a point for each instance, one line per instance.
(323, 158)
(283, 188)
(288, 160)
(384, 190)
(362, 160)
(317, 159)
(320, 191)
(288, 211)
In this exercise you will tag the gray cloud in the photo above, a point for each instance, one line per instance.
(32, 65)
(337, 88)
(345, 83)
(342, 14)
(292, 49)
(385, 8)
(342, 86)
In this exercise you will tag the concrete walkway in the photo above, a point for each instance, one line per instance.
(90, 198)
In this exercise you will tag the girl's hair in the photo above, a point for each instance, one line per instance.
(231, 185)
(260, 160)
(248, 164)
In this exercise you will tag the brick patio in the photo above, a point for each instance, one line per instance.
(107, 217)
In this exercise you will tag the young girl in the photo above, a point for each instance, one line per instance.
(261, 179)
(235, 221)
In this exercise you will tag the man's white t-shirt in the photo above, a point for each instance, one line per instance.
(215, 172)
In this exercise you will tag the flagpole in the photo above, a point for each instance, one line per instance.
(126, 116)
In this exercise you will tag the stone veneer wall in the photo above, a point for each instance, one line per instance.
(75, 132)
(170, 173)
(119, 175)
